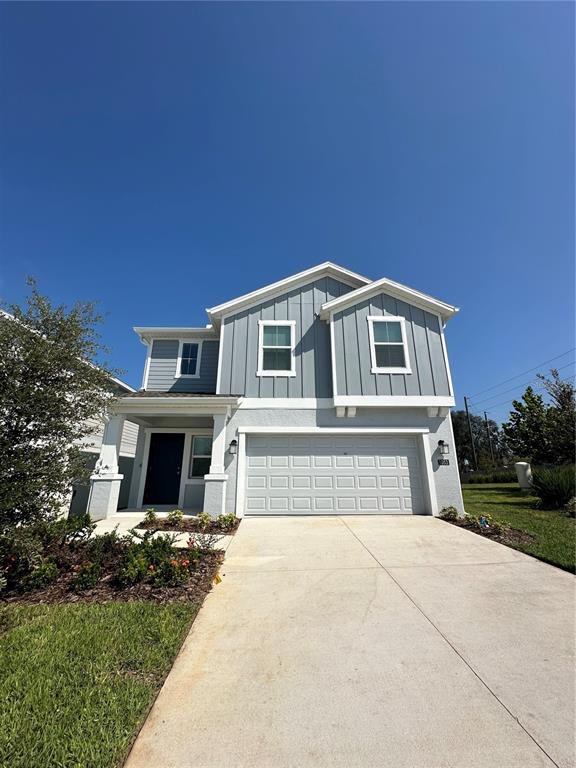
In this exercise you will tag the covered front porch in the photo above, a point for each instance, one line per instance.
(181, 456)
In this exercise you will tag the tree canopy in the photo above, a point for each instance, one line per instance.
(52, 393)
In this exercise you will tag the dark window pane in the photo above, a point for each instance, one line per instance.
(188, 367)
(202, 446)
(277, 360)
(189, 359)
(200, 467)
(390, 356)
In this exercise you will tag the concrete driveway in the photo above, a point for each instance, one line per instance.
(357, 642)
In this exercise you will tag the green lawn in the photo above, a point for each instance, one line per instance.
(554, 532)
(77, 680)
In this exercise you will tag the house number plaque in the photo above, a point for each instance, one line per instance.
(443, 462)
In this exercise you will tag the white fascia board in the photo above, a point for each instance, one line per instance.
(333, 430)
(395, 401)
(397, 290)
(122, 384)
(288, 283)
(147, 334)
(162, 406)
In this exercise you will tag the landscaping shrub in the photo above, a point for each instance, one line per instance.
(86, 577)
(485, 522)
(46, 573)
(226, 522)
(571, 507)
(449, 513)
(175, 517)
(150, 516)
(555, 486)
(21, 552)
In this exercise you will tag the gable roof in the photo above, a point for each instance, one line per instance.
(327, 268)
(397, 290)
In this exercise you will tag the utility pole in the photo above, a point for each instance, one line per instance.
(489, 436)
(474, 459)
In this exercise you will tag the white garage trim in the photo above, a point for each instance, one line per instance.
(422, 432)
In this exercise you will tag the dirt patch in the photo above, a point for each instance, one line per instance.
(512, 537)
(190, 525)
(107, 590)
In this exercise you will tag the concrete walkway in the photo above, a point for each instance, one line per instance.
(364, 642)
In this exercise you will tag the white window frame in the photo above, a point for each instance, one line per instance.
(388, 319)
(261, 325)
(196, 375)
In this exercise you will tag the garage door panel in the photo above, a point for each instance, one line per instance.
(333, 474)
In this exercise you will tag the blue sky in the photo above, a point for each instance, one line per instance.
(165, 157)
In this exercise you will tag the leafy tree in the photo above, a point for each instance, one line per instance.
(561, 417)
(480, 436)
(528, 430)
(51, 392)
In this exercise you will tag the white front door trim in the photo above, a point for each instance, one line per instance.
(188, 433)
(421, 432)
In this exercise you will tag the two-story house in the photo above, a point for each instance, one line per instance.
(323, 393)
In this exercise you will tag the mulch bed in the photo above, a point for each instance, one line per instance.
(107, 591)
(510, 536)
(188, 525)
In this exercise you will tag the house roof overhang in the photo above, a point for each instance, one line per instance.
(397, 290)
(147, 333)
(174, 404)
(327, 268)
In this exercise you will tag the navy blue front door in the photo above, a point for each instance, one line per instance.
(164, 468)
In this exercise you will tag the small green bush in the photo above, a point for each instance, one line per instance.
(134, 568)
(105, 548)
(86, 577)
(170, 572)
(46, 573)
(555, 486)
(226, 522)
(150, 516)
(21, 551)
(175, 517)
(485, 523)
(204, 519)
(449, 513)
(570, 508)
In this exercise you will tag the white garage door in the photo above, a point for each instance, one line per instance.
(333, 474)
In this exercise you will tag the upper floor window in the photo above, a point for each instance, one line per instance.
(189, 359)
(276, 348)
(388, 347)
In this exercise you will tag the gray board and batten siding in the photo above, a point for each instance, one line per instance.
(429, 374)
(239, 337)
(162, 368)
(313, 379)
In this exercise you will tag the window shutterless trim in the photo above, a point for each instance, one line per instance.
(196, 375)
(261, 325)
(388, 319)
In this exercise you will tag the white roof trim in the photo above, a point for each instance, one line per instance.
(286, 284)
(167, 332)
(397, 290)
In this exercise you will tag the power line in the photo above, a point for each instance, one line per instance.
(507, 402)
(495, 386)
(516, 386)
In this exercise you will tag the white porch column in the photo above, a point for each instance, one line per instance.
(215, 482)
(105, 481)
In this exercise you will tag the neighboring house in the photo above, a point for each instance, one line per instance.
(91, 446)
(323, 393)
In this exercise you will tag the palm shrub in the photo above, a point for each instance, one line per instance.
(555, 486)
